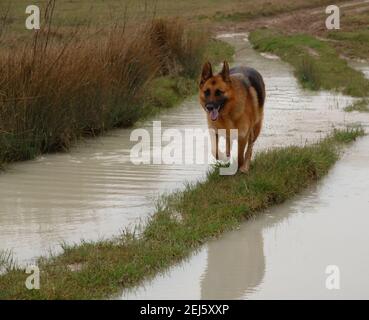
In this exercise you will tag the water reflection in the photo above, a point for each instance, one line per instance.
(236, 263)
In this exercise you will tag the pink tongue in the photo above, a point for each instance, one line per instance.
(214, 114)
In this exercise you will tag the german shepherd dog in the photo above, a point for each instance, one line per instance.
(233, 99)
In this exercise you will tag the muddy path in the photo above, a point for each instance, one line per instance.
(95, 191)
(311, 20)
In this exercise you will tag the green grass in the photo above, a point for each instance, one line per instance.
(317, 64)
(168, 91)
(217, 51)
(361, 105)
(182, 223)
(353, 39)
(352, 43)
(7, 261)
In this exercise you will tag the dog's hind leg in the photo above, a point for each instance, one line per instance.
(257, 130)
(241, 150)
(250, 144)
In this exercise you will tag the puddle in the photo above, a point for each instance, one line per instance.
(269, 56)
(91, 193)
(284, 253)
(360, 65)
(95, 191)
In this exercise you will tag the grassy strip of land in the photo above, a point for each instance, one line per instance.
(361, 105)
(317, 64)
(182, 223)
(352, 43)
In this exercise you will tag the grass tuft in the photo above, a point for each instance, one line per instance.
(93, 270)
(7, 261)
(361, 105)
(308, 73)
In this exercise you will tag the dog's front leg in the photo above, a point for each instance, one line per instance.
(214, 145)
(219, 154)
(228, 144)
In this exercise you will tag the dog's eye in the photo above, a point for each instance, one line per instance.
(218, 93)
(207, 93)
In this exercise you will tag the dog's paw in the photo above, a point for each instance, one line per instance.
(224, 157)
(245, 168)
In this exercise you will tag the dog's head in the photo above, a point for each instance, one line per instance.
(214, 90)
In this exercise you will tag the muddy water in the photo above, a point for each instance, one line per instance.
(95, 191)
(91, 193)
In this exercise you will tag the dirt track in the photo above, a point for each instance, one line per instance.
(303, 20)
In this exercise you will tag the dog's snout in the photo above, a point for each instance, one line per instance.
(210, 106)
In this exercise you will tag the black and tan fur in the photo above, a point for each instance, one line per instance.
(234, 99)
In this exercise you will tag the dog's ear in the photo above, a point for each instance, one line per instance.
(207, 73)
(225, 72)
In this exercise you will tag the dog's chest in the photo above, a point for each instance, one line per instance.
(229, 122)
